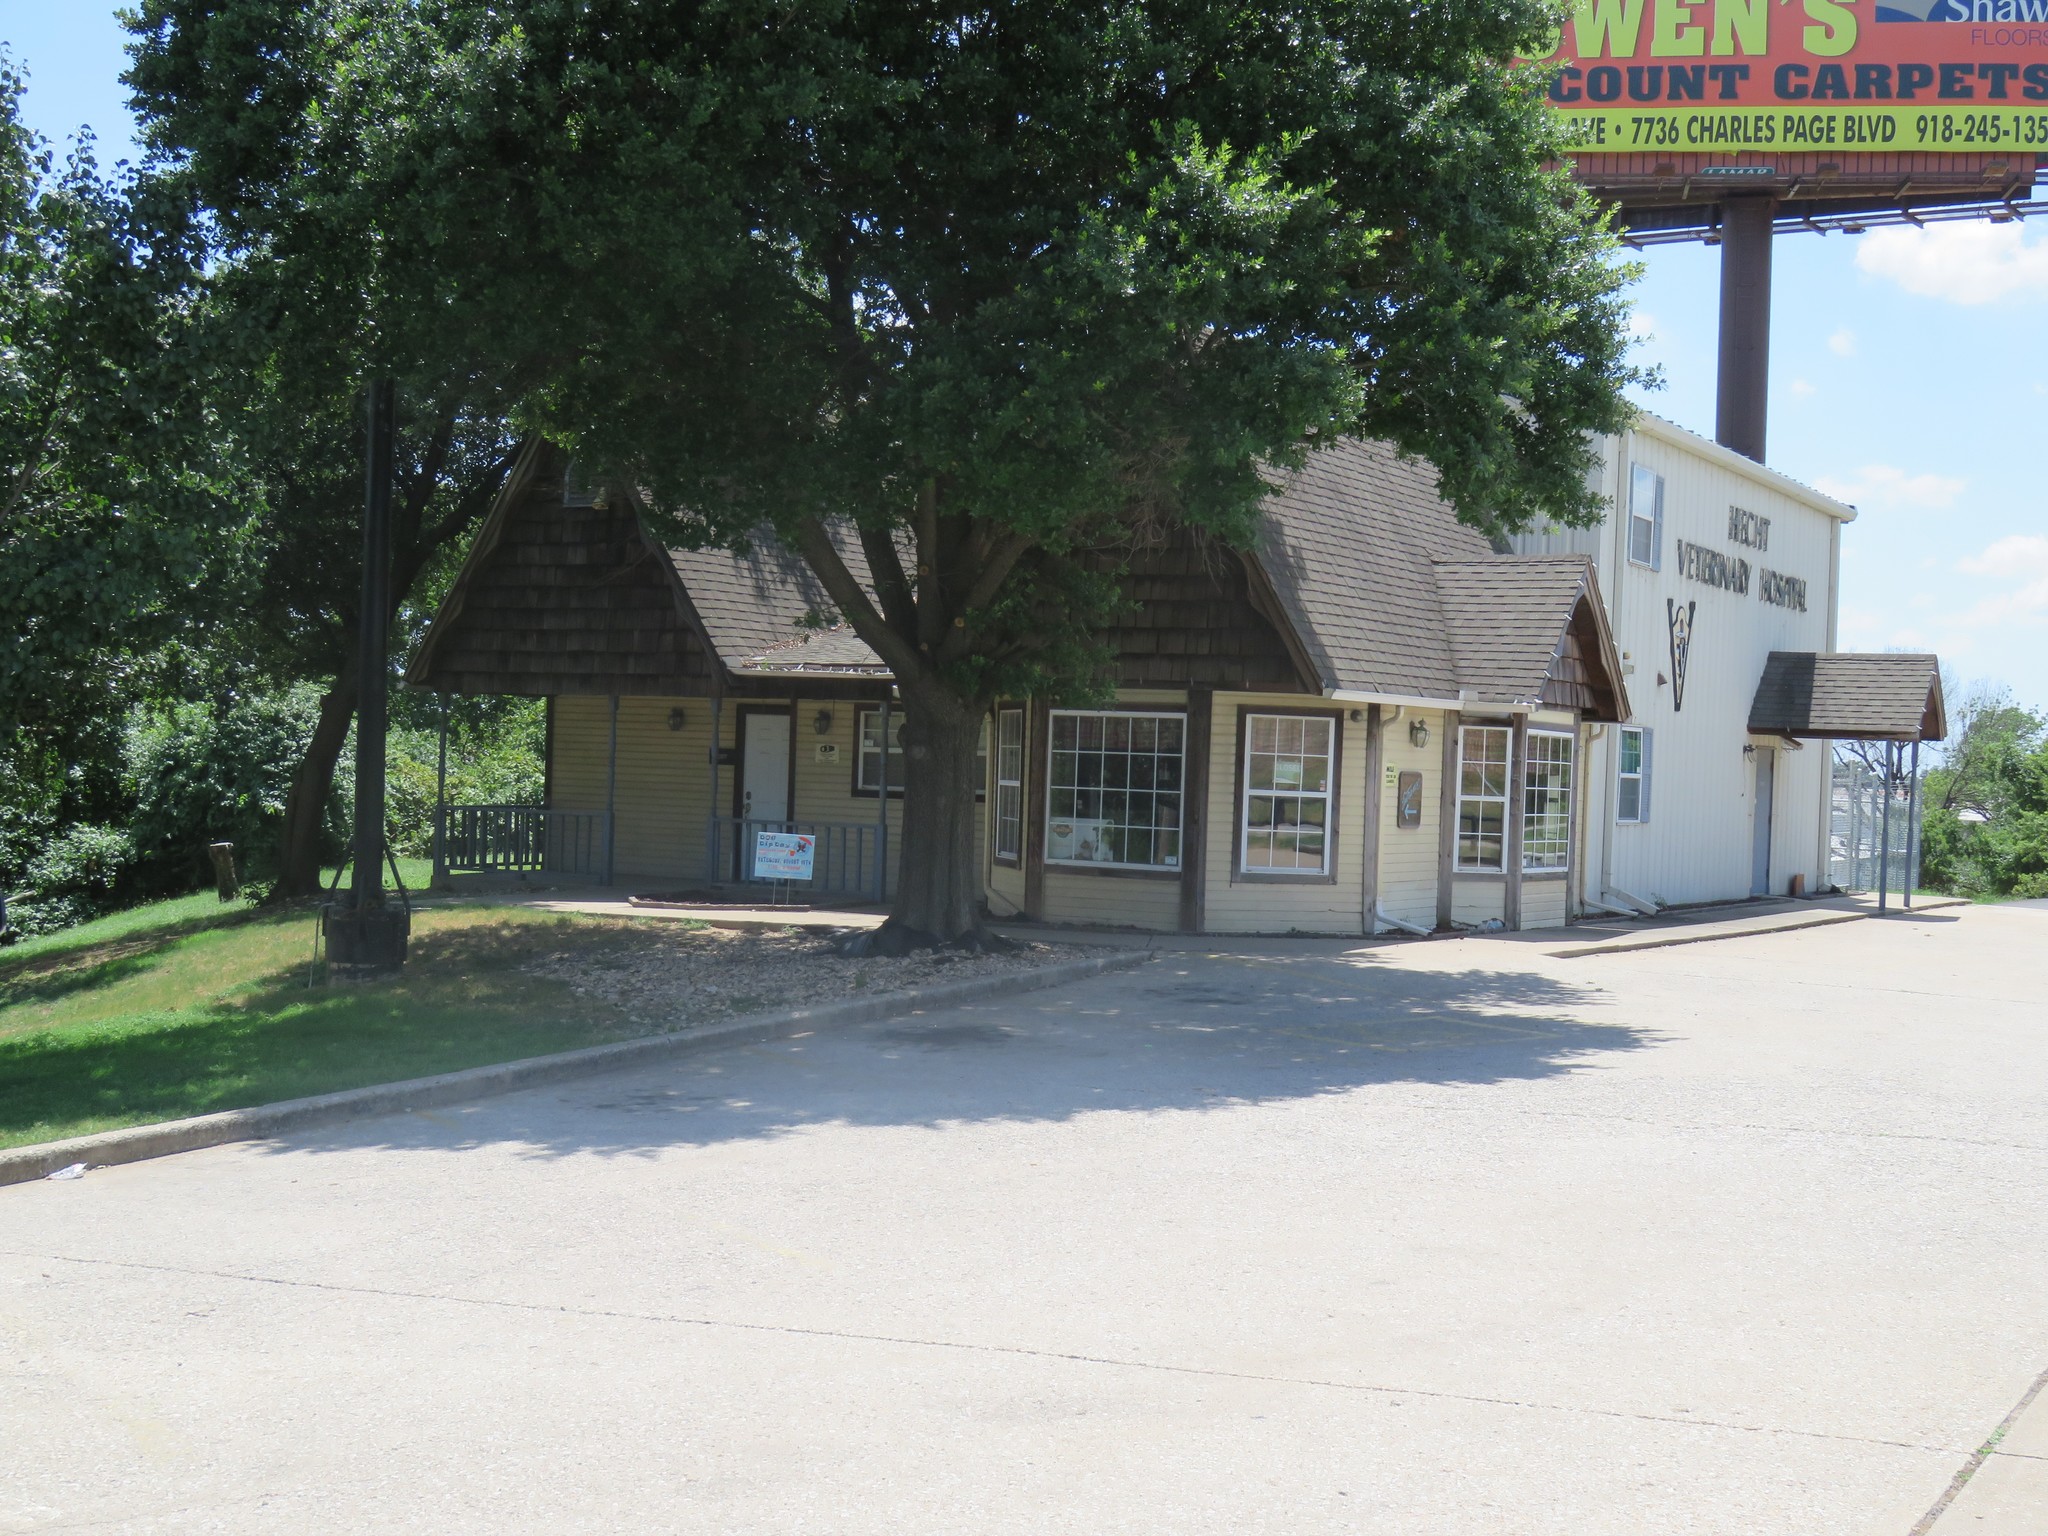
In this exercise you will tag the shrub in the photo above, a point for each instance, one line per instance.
(201, 773)
(81, 874)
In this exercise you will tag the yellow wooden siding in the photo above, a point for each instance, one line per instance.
(1408, 855)
(663, 788)
(1265, 906)
(1111, 901)
(1475, 901)
(664, 785)
(1543, 902)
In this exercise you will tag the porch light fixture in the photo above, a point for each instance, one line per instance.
(675, 718)
(1418, 732)
(822, 722)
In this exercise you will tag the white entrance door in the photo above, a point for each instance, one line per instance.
(1760, 851)
(764, 775)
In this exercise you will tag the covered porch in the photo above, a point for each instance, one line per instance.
(691, 723)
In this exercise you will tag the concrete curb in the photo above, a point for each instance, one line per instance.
(1680, 936)
(19, 1165)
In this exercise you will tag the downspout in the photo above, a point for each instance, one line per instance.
(1402, 924)
(1619, 566)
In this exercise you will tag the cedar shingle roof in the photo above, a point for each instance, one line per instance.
(1506, 618)
(1351, 544)
(1860, 697)
(754, 603)
(1389, 593)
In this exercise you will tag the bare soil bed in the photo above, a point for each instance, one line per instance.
(679, 978)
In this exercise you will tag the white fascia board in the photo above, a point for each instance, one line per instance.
(1647, 425)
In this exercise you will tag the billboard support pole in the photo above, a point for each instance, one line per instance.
(1745, 364)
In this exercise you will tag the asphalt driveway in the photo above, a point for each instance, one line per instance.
(1741, 1237)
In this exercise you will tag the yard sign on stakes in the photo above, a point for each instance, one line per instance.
(783, 857)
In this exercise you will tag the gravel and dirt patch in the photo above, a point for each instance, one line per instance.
(680, 978)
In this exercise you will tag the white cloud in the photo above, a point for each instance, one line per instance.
(1643, 327)
(1969, 261)
(1843, 342)
(1884, 485)
(1803, 390)
(2020, 558)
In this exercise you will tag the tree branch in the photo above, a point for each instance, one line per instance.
(892, 586)
(896, 651)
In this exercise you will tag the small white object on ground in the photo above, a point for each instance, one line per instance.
(68, 1171)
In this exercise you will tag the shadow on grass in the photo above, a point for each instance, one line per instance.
(54, 971)
(1189, 1035)
(463, 1001)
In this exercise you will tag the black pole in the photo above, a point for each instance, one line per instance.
(371, 712)
(1745, 364)
(362, 932)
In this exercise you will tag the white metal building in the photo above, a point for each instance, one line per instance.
(1709, 563)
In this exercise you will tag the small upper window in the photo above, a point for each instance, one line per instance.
(1646, 517)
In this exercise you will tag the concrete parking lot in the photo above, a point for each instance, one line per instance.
(1738, 1237)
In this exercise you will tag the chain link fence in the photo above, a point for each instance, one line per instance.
(1868, 848)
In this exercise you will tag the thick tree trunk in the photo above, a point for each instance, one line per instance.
(298, 853)
(937, 897)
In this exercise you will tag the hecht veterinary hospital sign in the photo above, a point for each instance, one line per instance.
(1850, 76)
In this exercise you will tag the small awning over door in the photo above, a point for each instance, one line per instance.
(1854, 697)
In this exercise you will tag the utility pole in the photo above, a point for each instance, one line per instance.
(363, 931)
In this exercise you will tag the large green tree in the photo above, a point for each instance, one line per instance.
(1001, 288)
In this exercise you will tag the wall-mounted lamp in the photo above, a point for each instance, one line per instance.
(676, 718)
(1749, 749)
(1358, 717)
(822, 722)
(1418, 732)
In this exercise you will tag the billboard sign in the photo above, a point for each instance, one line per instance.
(1805, 76)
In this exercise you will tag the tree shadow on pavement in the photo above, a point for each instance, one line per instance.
(1185, 1034)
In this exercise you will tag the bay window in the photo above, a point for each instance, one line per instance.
(1483, 798)
(1113, 789)
(1547, 800)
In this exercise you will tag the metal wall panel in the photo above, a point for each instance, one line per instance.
(1697, 845)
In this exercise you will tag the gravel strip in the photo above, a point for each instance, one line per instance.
(682, 978)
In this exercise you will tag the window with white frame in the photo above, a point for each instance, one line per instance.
(1646, 517)
(1632, 774)
(1009, 817)
(1113, 789)
(1483, 798)
(868, 774)
(1547, 800)
(1288, 763)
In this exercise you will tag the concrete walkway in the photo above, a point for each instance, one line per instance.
(1429, 1239)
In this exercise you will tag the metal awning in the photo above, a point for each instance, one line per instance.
(1858, 697)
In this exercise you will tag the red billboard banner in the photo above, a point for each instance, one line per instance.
(1940, 76)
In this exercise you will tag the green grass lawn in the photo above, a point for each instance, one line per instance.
(188, 1006)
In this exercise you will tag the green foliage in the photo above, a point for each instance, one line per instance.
(1007, 281)
(109, 507)
(495, 757)
(214, 771)
(1984, 830)
(79, 875)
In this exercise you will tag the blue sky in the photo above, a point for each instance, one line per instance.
(1908, 376)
